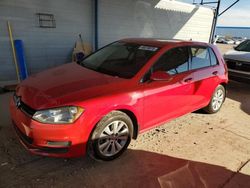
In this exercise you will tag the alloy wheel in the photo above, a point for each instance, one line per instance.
(113, 138)
(218, 99)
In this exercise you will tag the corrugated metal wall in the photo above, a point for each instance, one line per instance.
(44, 48)
(140, 18)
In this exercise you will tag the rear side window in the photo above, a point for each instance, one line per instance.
(173, 61)
(213, 57)
(199, 57)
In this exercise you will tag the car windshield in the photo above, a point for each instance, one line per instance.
(120, 59)
(244, 46)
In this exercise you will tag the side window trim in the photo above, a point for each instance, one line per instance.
(212, 51)
(189, 57)
(210, 58)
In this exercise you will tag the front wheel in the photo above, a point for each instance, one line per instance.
(111, 136)
(217, 100)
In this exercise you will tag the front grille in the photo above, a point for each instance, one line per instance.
(238, 65)
(22, 106)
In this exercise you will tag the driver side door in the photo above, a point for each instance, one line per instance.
(164, 100)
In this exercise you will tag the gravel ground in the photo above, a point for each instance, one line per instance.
(195, 150)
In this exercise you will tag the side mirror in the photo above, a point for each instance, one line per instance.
(160, 76)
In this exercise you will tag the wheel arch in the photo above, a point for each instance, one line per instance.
(132, 116)
(128, 112)
(224, 84)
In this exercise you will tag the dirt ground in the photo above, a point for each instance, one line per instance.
(225, 47)
(195, 150)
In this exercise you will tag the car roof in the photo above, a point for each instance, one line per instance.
(159, 42)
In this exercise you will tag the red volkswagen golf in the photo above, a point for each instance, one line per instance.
(100, 104)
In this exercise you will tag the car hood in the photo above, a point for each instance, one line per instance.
(237, 55)
(65, 85)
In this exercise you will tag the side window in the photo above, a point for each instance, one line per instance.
(173, 61)
(214, 60)
(199, 57)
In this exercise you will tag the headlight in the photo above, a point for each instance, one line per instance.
(61, 115)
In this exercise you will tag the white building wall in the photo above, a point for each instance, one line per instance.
(140, 18)
(198, 28)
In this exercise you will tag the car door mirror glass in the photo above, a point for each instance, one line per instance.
(160, 76)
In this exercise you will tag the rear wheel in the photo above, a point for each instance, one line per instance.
(217, 100)
(111, 136)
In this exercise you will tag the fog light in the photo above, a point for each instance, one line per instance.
(60, 144)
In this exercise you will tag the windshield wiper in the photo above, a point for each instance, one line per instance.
(105, 71)
(85, 65)
(100, 70)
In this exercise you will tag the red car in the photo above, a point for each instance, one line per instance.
(127, 87)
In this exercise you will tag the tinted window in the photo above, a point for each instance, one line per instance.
(173, 61)
(213, 57)
(120, 59)
(199, 57)
(244, 46)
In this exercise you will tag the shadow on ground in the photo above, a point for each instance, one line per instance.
(240, 91)
(135, 168)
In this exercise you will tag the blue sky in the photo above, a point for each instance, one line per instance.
(239, 15)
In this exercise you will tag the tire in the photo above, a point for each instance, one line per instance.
(111, 136)
(216, 100)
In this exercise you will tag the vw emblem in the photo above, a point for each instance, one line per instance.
(17, 101)
(238, 64)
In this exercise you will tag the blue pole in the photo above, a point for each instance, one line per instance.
(21, 59)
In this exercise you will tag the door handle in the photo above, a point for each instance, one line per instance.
(215, 73)
(188, 80)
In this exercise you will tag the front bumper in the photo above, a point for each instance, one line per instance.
(239, 74)
(53, 140)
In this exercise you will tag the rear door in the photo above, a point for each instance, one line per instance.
(204, 66)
